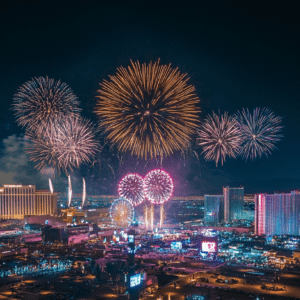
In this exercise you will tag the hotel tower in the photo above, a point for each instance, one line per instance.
(18, 201)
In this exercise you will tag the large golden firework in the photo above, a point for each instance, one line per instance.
(148, 110)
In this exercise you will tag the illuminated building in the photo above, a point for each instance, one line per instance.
(72, 215)
(18, 201)
(213, 209)
(277, 214)
(233, 203)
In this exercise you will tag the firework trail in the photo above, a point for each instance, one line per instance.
(41, 101)
(69, 191)
(158, 186)
(83, 192)
(219, 137)
(148, 110)
(131, 187)
(51, 186)
(162, 215)
(152, 217)
(146, 216)
(260, 131)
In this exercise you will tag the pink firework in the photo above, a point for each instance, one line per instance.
(131, 187)
(158, 186)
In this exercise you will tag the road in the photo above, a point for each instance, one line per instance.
(225, 291)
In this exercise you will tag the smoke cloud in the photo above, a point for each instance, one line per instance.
(15, 166)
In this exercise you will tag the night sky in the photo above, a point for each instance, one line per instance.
(236, 54)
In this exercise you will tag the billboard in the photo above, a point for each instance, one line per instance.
(209, 246)
(135, 280)
(176, 245)
(130, 238)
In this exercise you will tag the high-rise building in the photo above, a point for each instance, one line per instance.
(213, 209)
(277, 214)
(18, 201)
(233, 203)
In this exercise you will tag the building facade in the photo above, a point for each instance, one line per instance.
(233, 203)
(277, 214)
(213, 209)
(18, 201)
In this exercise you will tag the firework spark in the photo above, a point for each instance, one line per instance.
(70, 192)
(83, 192)
(77, 142)
(131, 187)
(65, 144)
(43, 149)
(43, 100)
(219, 137)
(260, 131)
(158, 186)
(51, 186)
(121, 213)
(148, 110)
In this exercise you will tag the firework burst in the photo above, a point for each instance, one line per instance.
(77, 142)
(65, 144)
(41, 101)
(148, 110)
(158, 186)
(43, 149)
(131, 187)
(121, 213)
(260, 131)
(219, 138)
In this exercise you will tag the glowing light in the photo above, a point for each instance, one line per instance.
(69, 191)
(158, 186)
(162, 216)
(219, 138)
(131, 187)
(121, 212)
(259, 131)
(148, 110)
(51, 186)
(64, 145)
(41, 101)
(83, 192)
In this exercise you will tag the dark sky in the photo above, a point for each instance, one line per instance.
(237, 55)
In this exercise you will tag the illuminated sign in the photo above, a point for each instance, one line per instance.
(130, 238)
(176, 245)
(209, 246)
(135, 280)
(10, 185)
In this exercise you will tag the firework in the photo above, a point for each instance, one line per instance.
(152, 217)
(77, 142)
(131, 187)
(51, 186)
(146, 212)
(121, 213)
(158, 186)
(43, 100)
(69, 191)
(162, 216)
(219, 137)
(65, 144)
(148, 110)
(43, 149)
(83, 192)
(260, 131)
